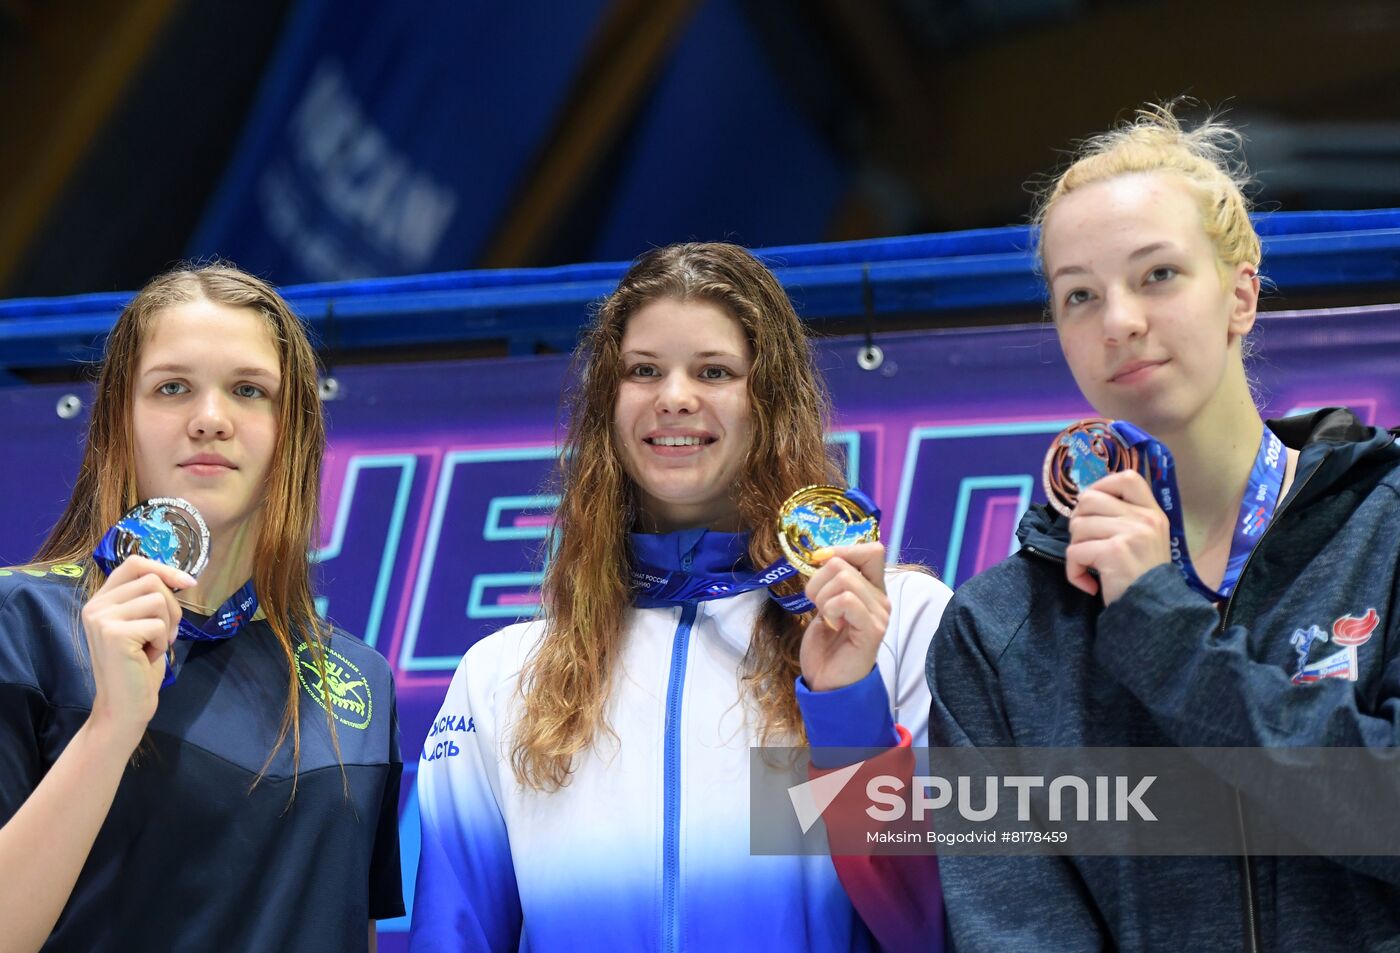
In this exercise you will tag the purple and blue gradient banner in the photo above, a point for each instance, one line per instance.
(437, 490)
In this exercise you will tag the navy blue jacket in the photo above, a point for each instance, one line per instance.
(193, 855)
(1023, 658)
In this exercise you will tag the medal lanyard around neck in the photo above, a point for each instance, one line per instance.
(1261, 498)
(227, 621)
(655, 588)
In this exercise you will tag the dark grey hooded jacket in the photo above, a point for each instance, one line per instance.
(1022, 658)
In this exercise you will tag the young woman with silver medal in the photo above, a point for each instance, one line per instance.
(1161, 604)
(589, 788)
(192, 759)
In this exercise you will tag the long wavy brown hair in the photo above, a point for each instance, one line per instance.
(566, 683)
(106, 484)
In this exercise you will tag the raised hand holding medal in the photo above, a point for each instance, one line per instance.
(167, 531)
(1118, 486)
(170, 531)
(832, 537)
(131, 621)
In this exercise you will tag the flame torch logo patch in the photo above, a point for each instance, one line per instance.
(1350, 632)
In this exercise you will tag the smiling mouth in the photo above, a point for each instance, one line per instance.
(679, 441)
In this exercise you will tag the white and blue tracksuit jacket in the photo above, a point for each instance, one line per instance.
(647, 847)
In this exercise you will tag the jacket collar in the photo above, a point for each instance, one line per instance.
(700, 551)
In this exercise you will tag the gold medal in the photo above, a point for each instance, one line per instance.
(1083, 453)
(816, 517)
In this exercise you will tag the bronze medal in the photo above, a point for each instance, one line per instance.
(1083, 453)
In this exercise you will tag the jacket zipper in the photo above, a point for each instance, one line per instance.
(1246, 872)
(1027, 548)
(671, 849)
(1246, 878)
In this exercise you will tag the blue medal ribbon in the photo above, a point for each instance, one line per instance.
(1261, 498)
(227, 621)
(654, 587)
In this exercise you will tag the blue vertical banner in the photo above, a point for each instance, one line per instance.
(721, 151)
(388, 138)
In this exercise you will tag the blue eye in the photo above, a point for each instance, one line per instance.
(716, 373)
(1164, 273)
(1078, 296)
(250, 391)
(172, 389)
(643, 370)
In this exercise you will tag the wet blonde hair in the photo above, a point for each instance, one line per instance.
(1207, 158)
(587, 595)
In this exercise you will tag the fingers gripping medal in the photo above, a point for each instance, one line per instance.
(817, 517)
(167, 530)
(1082, 454)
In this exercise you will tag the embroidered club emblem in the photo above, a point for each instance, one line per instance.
(351, 702)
